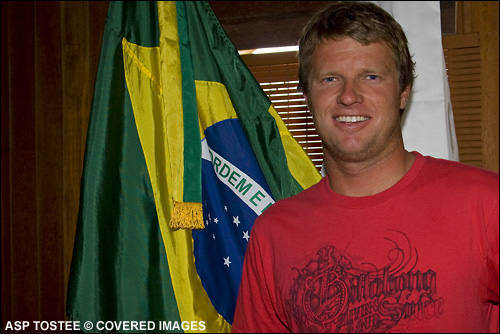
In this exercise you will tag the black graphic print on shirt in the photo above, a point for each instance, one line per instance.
(333, 293)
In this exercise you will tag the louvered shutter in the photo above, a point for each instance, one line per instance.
(463, 67)
(277, 73)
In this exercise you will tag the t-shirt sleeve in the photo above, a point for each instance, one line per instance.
(256, 304)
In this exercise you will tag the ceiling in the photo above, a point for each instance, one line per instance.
(260, 24)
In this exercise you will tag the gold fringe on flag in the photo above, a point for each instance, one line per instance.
(187, 215)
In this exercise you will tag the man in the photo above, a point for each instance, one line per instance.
(389, 240)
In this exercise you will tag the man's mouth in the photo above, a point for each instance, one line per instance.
(351, 119)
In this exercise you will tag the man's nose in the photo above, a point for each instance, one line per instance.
(350, 93)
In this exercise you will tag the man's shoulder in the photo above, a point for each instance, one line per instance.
(456, 167)
(460, 176)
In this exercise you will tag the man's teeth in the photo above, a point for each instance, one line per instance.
(351, 119)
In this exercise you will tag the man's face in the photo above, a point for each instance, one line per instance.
(354, 97)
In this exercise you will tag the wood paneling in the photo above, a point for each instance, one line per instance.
(80, 46)
(485, 21)
(24, 236)
(481, 17)
(49, 159)
(49, 61)
(261, 24)
(5, 244)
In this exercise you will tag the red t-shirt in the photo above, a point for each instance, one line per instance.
(421, 256)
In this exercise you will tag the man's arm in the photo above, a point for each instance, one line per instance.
(256, 305)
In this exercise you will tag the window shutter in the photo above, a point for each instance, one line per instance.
(463, 67)
(277, 73)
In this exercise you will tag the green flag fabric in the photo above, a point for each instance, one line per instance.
(184, 150)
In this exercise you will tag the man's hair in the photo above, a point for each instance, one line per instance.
(364, 22)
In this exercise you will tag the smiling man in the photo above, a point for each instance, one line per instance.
(354, 97)
(389, 240)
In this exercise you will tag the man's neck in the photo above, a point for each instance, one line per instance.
(368, 178)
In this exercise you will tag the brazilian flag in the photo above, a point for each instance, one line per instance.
(184, 150)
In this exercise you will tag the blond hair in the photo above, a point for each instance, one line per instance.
(364, 22)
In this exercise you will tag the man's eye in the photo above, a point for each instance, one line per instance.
(329, 79)
(372, 77)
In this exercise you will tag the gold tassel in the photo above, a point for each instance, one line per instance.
(187, 215)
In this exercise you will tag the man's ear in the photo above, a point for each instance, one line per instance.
(405, 95)
(307, 102)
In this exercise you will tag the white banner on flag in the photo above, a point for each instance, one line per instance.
(247, 189)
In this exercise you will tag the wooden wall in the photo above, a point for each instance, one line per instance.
(50, 54)
(482, 17)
